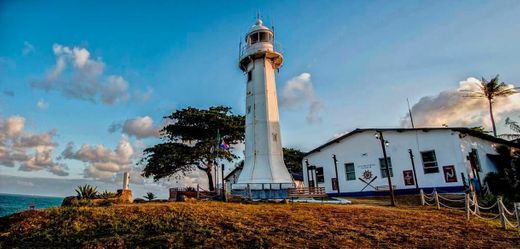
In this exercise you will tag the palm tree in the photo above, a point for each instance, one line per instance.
(149, 196)
(491, 90)
(515, 127)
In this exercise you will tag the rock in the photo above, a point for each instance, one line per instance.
(67, 201)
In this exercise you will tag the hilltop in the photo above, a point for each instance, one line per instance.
(232, 225)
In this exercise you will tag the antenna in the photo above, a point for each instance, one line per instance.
(410, 113)
(272, 23)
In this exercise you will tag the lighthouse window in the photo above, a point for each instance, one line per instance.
(264, 37)
(254, 38)
(249, 76)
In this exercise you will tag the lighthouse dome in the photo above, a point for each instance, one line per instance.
(259, 25)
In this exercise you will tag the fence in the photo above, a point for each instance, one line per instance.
(469, 203)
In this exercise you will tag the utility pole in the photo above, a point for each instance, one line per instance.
(413, 168)
(388, 175)
(336, 169)
(223, 186)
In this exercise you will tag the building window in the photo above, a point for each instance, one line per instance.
(350, 171)
(249, 76)
(320, 178)
(383, 168)
(429, 162)
(248, 109)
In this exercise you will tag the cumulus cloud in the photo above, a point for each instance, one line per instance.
(42, 105)
(30, 151)
(453, 109)
(139, 127)
(299, 93)
(77, 75)
(27, 48)
(143, 96)
(102, 163)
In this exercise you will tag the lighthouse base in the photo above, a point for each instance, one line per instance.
(265, 191)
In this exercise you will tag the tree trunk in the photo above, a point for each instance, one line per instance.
(210, 177)
(492, 118)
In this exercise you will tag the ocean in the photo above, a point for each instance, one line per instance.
(11, 203)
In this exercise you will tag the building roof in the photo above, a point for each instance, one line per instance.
(237, 168)
(464, 130)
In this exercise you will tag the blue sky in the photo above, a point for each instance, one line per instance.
(362, 59)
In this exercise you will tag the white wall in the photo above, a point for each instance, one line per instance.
(483, 148)
(364, 150)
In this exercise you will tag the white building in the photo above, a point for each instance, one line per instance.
(444, 158)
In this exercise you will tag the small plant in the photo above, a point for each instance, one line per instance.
(190, 189)
(149, 196)
(86, 191)
(81, 203)
(107, 195)
(106, 203)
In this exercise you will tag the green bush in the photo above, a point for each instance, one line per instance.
(81, 203)
(86, 191)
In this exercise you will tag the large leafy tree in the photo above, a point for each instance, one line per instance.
(191, 142)
(293, 159)
(491, 90)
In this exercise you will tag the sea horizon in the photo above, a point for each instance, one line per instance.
(15, 203)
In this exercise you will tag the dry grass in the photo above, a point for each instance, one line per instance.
(232, 225)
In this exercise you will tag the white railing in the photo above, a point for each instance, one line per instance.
(277, 47)
(469, 203)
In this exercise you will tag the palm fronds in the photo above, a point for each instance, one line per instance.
(86, 191)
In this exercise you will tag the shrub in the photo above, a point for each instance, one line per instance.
(78, 202)
(86, 191)
(106, 203)
(149, 196)
(107, 195)
(506, 181)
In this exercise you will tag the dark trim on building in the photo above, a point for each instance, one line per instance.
(407, 191)
(462, 130)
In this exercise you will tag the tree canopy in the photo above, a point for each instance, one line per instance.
(192, 142)
(506, 181)
(293, 159)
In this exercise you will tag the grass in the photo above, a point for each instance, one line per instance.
(232, 225)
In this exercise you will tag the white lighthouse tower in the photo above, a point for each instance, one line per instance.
(264, 167)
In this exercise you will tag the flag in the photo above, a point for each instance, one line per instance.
(224, 145)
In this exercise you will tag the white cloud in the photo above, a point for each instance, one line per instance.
(102, 163)
(31, 152)
(143, 96)
(27, 48)
(42, 105)
(453, 109)
(299, 93)
(77, 75)
(139, 127)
